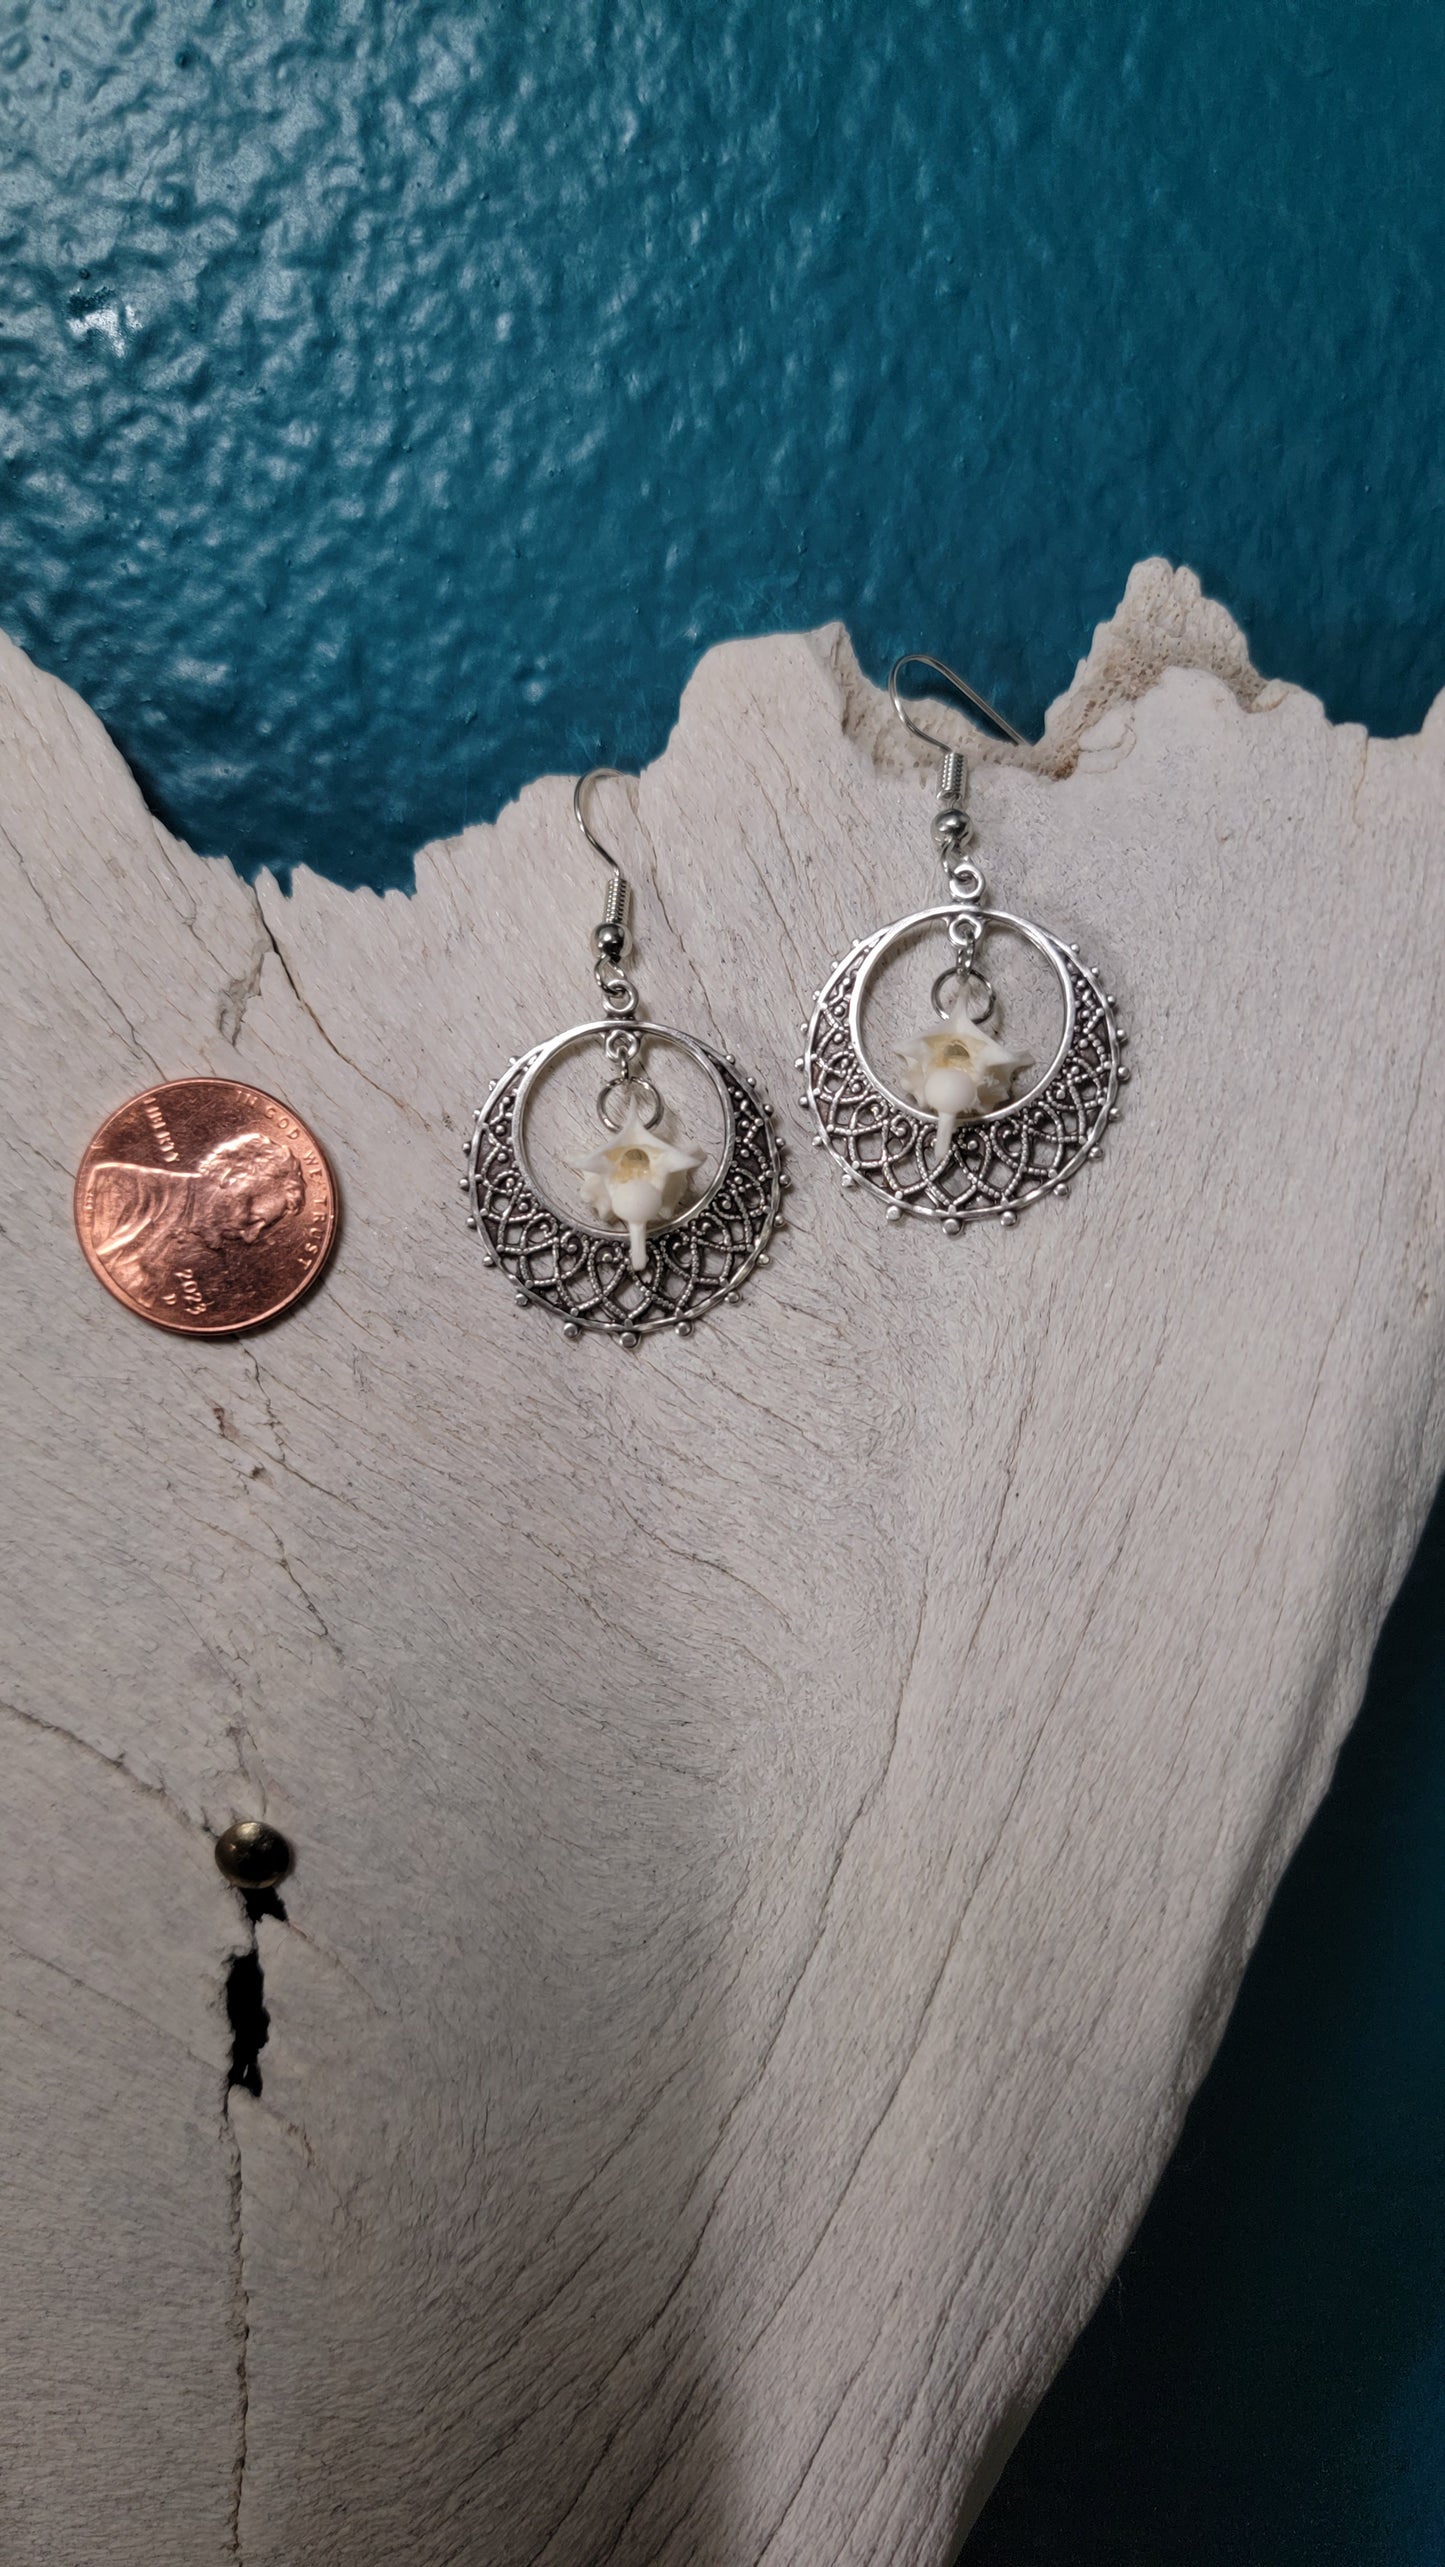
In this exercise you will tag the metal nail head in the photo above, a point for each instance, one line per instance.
(252, 1855)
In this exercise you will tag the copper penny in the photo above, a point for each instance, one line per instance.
(205, 1206)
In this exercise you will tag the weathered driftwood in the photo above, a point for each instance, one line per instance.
(781, 1818)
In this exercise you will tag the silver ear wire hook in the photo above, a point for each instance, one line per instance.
(952, 827)
(619, 890)
(960, 686)
(609, 939)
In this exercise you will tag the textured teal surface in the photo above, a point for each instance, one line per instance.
(397, 399)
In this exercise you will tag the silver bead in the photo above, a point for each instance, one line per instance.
(818, 1141)
(734, 1295)
(1096, 1152)
(1060, 1189)
(951, 1229)
(800, 1065)
(1119, 1034)
(764, 1259)
(471, 1221)
(521, 1300)
(684, 1327)
(489, 1259)
(951, 828)
(462, 1182)
(1113, 1114)
(1008, 1221)
(894, 1212)
(572, 1330)
(628, 1338)
(1123, 1072)
(849, 1181)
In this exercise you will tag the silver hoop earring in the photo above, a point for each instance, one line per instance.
(671, 1238)
(962, 1133)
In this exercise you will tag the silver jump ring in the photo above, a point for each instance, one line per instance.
(635, 1090)
(965, 882)
(963, 977)
(622, 1047)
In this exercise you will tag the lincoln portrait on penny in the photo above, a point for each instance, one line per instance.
(151, 1224)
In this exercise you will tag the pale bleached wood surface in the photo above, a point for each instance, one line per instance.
(781, 1818)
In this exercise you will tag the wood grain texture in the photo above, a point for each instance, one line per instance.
(781, 1818)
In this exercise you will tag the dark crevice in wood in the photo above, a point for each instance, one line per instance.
(246, 1997)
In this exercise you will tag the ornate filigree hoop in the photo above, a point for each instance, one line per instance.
(999, 1161)
(579, 1270)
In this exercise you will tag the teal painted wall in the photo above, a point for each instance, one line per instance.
(396, 398)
